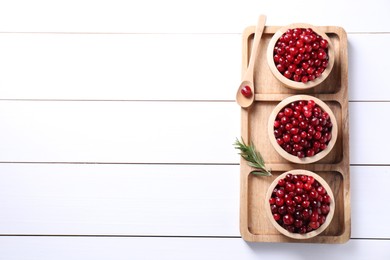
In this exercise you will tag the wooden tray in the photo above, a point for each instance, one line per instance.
(334, 168)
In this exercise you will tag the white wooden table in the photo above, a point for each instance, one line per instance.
(117, 120)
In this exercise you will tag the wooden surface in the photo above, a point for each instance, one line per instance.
(257, 127)
(104, 156)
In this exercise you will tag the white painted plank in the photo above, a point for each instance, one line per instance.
(160, 200)
(96, 248)
(153, 132)
(368, 74)
(368, 193)
(368, 128)
(119, 199)
(189, 16)
(124, 66)
(135, 132)
(154, 66)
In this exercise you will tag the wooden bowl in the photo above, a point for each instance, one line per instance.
(291, 83)
(310, 234)
(289, 156)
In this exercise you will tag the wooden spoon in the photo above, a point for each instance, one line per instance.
(247, 80)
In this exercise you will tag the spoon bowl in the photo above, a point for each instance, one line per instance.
(241, 98)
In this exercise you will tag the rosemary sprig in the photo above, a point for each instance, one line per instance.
(254, 158)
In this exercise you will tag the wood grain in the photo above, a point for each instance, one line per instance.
(269, 92)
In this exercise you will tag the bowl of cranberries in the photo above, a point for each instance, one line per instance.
(300, 56)
(302, 129)
(300, 204)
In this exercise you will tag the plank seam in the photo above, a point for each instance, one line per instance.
(160, 236)
(171, 163)
(161, 33)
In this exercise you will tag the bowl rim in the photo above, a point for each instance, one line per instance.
(310, 234)
(293, 158)
(294, 84)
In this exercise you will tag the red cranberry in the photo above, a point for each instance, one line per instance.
(288, 219)
(302, 230)
(274, 209)
(246, 91)
(306, 204)
(282, 210)
(314, 224)
(289, 177)
(321, 219)
(326, 199)
(290, 186)
(280, 193)
(279, 201)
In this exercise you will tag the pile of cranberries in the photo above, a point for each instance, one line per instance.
(301, 55)
(299, 203)
(302, 128)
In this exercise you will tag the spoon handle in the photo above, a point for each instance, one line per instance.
(255, 48)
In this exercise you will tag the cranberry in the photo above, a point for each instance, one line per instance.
(288, 219)
(289, 177)
(313, 194)
(296, 138)
(298, 182)
(280, 193)
(299, 191)
(310, 179)
(286, 138)
(326, 199)
(323, 43)
(325, 209)
(321, 190)
(297, 199)
(282, 210)
(299, 210)
(306, 204)
(290, 228)
(314, 216)
(301, 54)
(302, 230)
(246, 91)
(314, 224)
(290, 186)
(291, 209)
(321, 219)
(298, 223)
(274, 209)
(307, 186)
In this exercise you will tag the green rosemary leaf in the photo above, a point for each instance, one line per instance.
(254, 158)
(261, 173)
